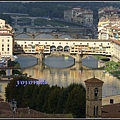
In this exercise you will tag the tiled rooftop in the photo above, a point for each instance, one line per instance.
(108, 111)
(6, 112)
(111, 111)
(116, 41)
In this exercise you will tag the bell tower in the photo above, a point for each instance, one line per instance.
(93, 97)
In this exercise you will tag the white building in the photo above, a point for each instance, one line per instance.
(6, 39)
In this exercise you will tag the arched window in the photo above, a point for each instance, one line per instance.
(96, 92)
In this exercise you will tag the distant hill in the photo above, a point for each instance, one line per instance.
(55, 9)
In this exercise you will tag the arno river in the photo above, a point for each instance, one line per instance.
(56, 71)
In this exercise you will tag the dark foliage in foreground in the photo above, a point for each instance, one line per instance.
(54, 99)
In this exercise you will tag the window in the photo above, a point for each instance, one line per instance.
(7, 49)
(45, 42)
(38, 42)
(8, 40)
(2, 45)
(31, 42)
(2, 40)
(2, 49)
(66, 43)
(59, 42)
(94, 43)
(8, 45)
(25, 42)
(52, 42)
(73, 43)
(96, 92)
(111, 101)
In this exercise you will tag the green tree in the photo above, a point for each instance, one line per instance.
(16, 72)
(40, 99)
(11, 90)
(61, 102)
(26, 97)
(53, 99)
(76, 102)
(2, 72)
(34, 94)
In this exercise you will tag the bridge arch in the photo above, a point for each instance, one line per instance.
(23, 35)
(66, 49)
(44, 36)
(59, 48)
(63, 36)
(53, 48)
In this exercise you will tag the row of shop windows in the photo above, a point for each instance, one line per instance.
(60, 43)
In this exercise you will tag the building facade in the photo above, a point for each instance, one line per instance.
(73, 46)
(108, 28)
(108, 12)
(6, 39)
(116, 49)
(79, 15)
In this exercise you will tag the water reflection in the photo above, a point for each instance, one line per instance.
(59, 62)
(75, 74)
(26, 61)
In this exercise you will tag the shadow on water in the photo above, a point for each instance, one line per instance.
(26, 61)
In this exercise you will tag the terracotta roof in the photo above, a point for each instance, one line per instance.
(116, 41)
(6, 112)
(111, 111)
(93, 80)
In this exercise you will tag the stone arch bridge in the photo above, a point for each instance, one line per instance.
(54, 35)
(77, 57)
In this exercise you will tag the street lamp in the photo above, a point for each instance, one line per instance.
(13, 105)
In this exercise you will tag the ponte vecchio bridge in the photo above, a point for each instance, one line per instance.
(47, 44)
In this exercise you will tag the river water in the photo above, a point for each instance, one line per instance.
(61, 72)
